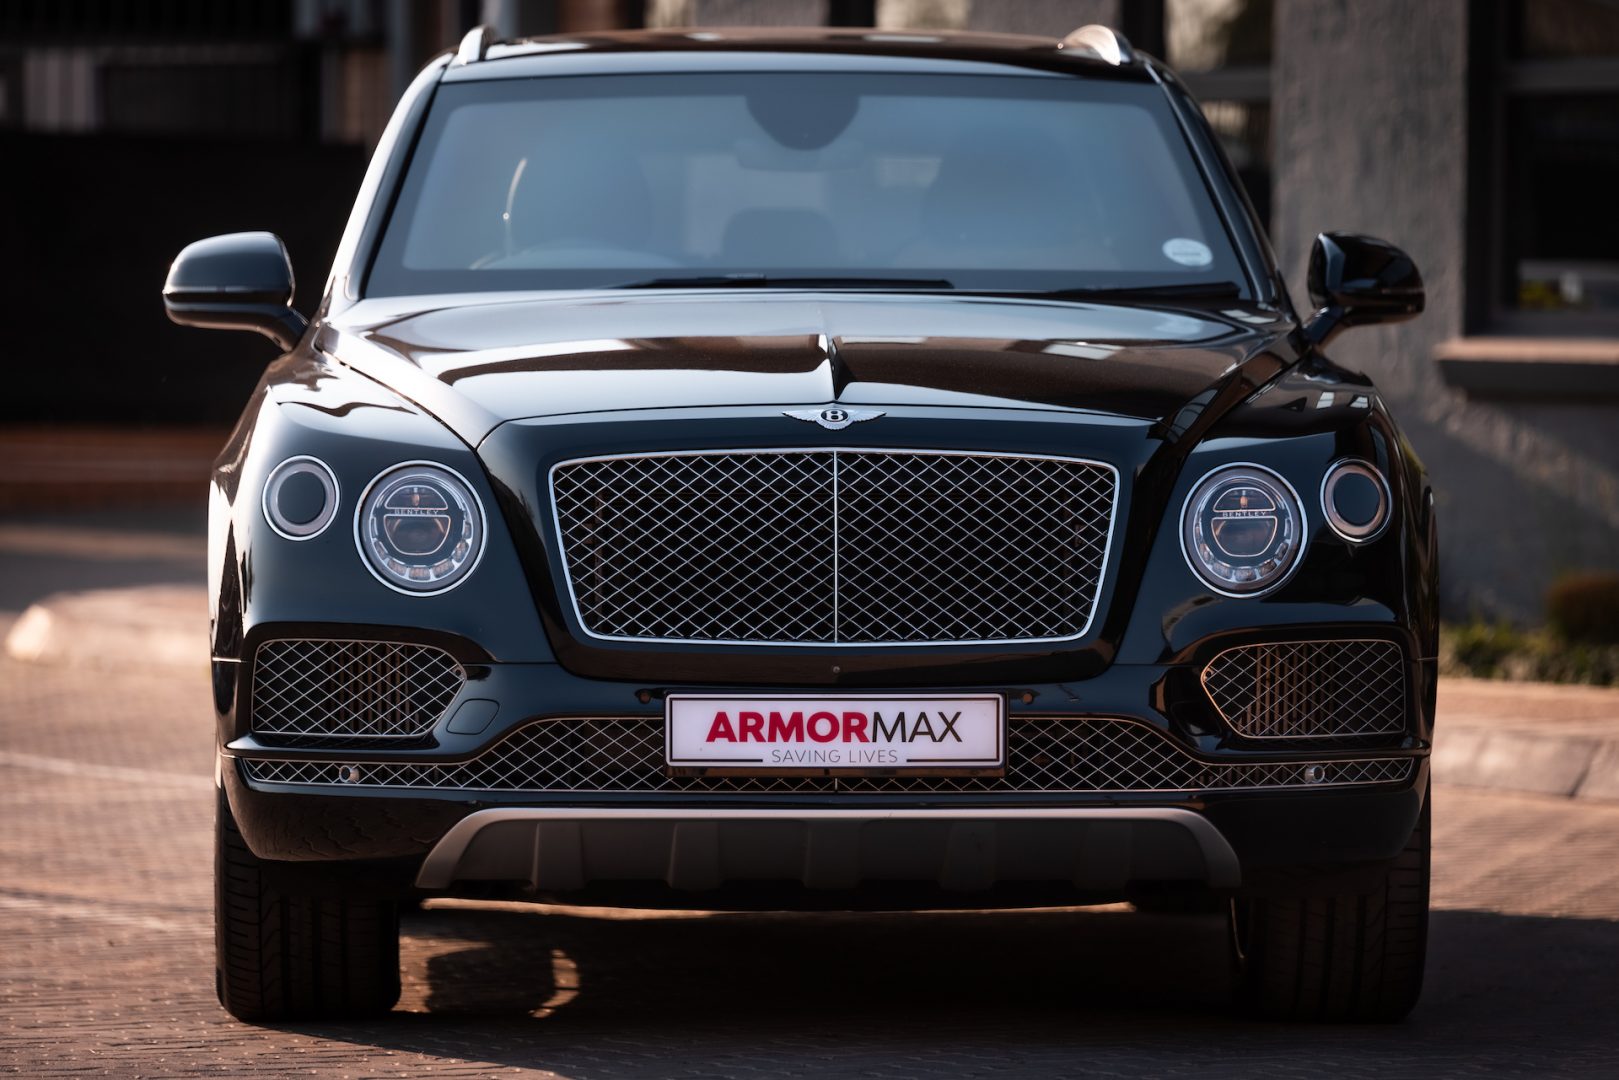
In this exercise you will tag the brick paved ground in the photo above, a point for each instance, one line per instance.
(106, 953)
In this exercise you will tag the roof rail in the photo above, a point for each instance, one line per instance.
(1102, 42)
(475, 46)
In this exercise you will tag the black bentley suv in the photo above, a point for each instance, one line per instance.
(807, 470)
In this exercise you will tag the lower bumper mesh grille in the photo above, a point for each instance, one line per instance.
(1310, 689)
(1044, 755)
(312, 690)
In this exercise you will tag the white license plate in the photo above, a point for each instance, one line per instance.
(963, 734)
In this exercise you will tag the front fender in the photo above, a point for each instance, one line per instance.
(263, 584)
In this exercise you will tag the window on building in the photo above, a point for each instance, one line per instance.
(1551, 155)
(1222, 51)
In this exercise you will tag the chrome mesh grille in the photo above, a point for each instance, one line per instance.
(626, 755)
(1310, 689)
(322, 689)
(825, 547)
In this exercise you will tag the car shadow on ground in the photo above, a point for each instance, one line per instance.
(1030, 993)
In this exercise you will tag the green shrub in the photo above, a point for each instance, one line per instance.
(1574, 662)
(1497, 651)
(1480, 648)
(1585, 608)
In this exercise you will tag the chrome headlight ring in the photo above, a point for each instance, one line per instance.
(1355, 500)
(420, 528)
(1242, 529)
(300, 498)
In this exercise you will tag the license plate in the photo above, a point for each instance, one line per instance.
(940, 735)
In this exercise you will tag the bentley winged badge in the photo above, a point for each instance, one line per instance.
(833, 418)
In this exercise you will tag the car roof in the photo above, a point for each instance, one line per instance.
(808, 49)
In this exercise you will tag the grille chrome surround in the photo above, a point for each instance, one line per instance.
(1043, 756)
(326, 689)
(834, 546)
(1310, 689)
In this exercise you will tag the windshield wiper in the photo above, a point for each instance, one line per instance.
(1217, 290)
(765, 281)
(1212, 290)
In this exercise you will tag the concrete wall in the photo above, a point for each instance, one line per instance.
(1047, 18)
(758, 12)
(1370, 115)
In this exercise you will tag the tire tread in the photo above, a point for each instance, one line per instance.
(283, 956)
(1355, 957)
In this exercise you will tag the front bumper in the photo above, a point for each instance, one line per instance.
(1195, 801)
(647, 851)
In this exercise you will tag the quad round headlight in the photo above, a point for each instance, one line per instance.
(1242, 529)
(420, 528)
(300, 498)
(1355, 499)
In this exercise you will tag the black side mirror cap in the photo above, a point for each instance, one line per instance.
(1357, 281)
(239, 281)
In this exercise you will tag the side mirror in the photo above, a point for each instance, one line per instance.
(1356, 281)
(240, 281)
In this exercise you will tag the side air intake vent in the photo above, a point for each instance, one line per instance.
(1310, 689)
(341, 690)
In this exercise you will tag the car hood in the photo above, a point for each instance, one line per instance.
(479, 361)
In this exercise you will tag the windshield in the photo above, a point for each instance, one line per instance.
(972, 182)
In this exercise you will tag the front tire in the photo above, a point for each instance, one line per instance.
(284, 955)
(1345, 957)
